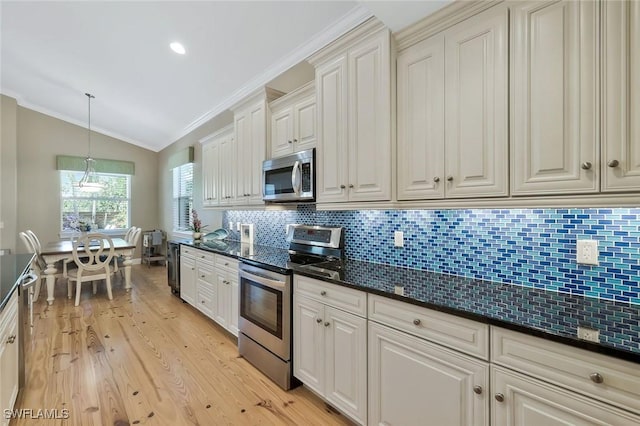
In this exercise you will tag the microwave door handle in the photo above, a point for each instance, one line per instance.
(296, 173)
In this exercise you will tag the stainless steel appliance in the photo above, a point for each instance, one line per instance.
(290, 178)
(266, 298)
(173, 266)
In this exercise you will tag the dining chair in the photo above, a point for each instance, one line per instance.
(38, 266)
(93, 254)
(132, 236)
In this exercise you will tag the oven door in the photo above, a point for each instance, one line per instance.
(265, 309)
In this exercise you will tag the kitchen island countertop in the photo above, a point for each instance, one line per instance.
(542, 313)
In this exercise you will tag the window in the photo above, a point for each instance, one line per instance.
(107, 209)
(182, 196)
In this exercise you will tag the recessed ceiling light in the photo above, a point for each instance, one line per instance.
(178, 48)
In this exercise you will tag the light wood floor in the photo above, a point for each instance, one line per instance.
(147, 358)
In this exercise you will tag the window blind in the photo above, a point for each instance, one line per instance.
(72, 163)
(182, 196)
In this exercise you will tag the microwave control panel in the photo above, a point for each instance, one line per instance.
(306, 177)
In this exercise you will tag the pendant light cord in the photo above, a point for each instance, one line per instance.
(89, 96)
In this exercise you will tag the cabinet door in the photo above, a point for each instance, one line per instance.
(476, 153)
(188, 279)
(282, 132)
(420, 71)
(258, 152)
(9, 342)
(227, 165)
(308, 342)
(223, 298)
(369, 119)
(346, 362)
(234, 305)
(243, 158)
(206, 290)
(210, 174)
(525, 401)
(304, 123)
(412, 381)
(621, 93)
(555, 97)
(331, 159)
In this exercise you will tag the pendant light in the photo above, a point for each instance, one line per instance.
(89, 181)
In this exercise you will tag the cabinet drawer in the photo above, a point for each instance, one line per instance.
(206, 273)
(187, 251)
(226, 262)
(570, 367)
(204, 256)
(344, 298)
(206, 300)
(449, 330)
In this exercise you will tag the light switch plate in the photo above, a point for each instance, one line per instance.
(587, 252)
(398, 239)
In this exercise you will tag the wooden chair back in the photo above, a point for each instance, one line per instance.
(93, 252)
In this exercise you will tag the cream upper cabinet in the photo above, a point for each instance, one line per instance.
(353, 86)
(554, 48)
(452, 111)
(217, 168)
(621, 96)
(420, 72)
(251, 123)
(293, 121)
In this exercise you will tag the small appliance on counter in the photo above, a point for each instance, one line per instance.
(266, 300)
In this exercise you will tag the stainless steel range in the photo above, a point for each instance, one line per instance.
(266, 298)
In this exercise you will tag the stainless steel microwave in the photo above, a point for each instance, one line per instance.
(290, 178)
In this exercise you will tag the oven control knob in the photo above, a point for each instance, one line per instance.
(323, 293)
(318, 320)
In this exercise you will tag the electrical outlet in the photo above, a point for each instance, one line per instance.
(399, 290)
(587, 252)
(398, 239)
(231, 226)
(590, 334)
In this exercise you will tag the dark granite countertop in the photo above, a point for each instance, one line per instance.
(547, 314)
(12, 266)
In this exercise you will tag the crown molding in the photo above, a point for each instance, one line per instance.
(224, 131)
(350, 20)
(42, 110)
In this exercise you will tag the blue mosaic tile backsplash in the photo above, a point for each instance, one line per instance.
(528, 247)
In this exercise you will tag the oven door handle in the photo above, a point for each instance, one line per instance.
(264, 280)
(296, 177)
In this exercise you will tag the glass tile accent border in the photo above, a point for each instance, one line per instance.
(529, 247)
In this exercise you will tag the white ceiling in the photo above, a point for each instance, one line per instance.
(54, 52)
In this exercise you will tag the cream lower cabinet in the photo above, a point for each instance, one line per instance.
(353, 90)
(187, 275)
(9, 342)
(227, 294)
(620, 166)
(206, 289)
(453, 111)
(555, 97)
(415, 382)
(330, 351)
(520, 400)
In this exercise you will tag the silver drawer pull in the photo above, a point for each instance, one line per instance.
(499, 397)
(596, 377)
(11, 339)
(416, 321)
(327, 324)
(477, 389)
(318, 320)
(613, 163)
(586, 165)
(323, 293)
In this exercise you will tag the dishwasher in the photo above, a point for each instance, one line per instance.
(173, 266)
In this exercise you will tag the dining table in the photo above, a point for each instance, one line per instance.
(63, 250)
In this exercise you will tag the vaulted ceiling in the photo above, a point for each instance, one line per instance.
(54, 52)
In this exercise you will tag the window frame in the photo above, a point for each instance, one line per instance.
(174, 198)
(65, 233)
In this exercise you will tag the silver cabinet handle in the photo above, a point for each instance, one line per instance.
(318, 320)
(323, 293)
(450, 178)
(596, 377)
(499, 397)
(295, 140)
(436, 179)
(350, 185)
(202, 301)
(586, 165)
(11, 339)
(289, 141)
(613, 163)
(201, 276)
(226, 263)
(477, 389)
(342, 187)
(416, 321)
(327, 324)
